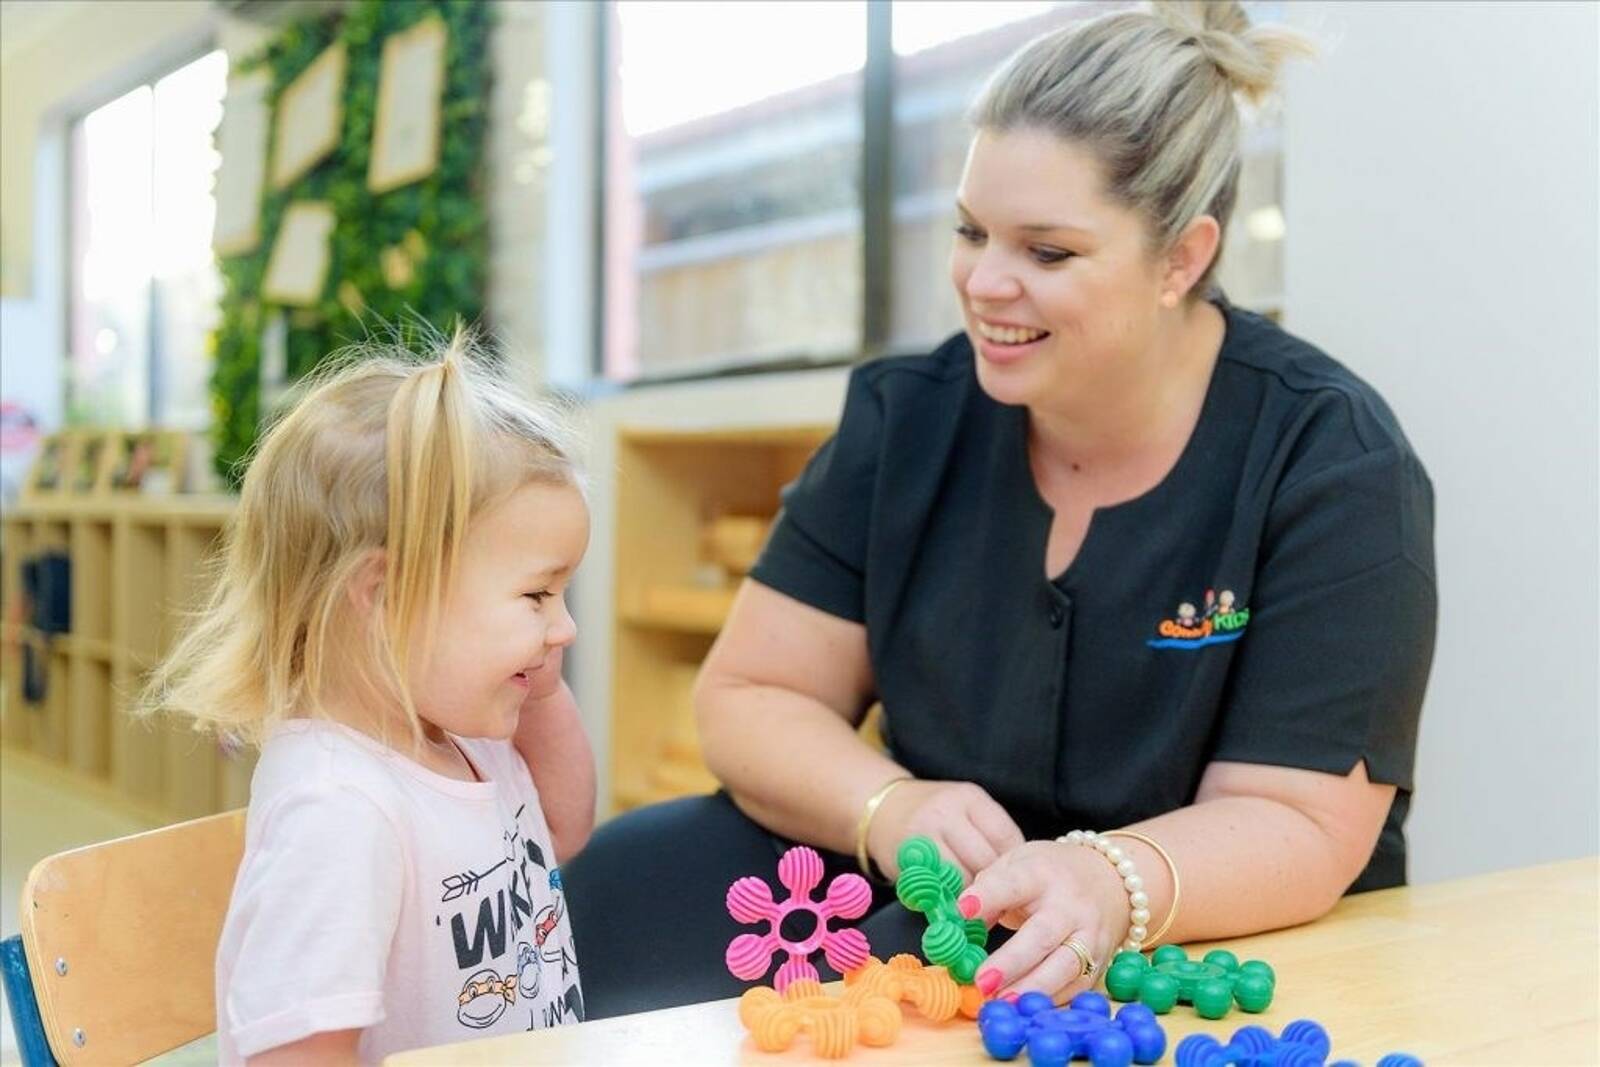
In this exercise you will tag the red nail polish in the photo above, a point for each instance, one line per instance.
(968, 905)
(987, 981)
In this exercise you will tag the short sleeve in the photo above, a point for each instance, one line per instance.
(1335, 657)
(818, 547)
(312, 918)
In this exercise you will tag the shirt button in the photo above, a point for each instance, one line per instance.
(1056, 617)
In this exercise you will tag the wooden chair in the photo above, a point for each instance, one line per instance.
(119, 941)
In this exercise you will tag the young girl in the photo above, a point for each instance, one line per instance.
(388, 626)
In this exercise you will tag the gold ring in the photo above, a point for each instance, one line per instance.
(1087, 966)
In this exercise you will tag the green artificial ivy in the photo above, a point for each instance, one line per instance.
(437, 226)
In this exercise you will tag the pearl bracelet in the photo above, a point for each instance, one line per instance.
(1138, 900)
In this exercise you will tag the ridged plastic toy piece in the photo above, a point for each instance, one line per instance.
(1303, 1043)
(1082, 1030)
(800, 870)
(1308, 1032)
(834, 1024)
(906, 979)
(929, 884)
(972, 1001)
(1170, 977)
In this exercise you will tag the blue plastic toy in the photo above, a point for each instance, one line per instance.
(1303, 1043)
(1083, 1030)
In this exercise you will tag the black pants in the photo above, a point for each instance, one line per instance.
(647, 898)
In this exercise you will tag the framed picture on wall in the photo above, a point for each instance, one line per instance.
(242, 140)
(310, 114)
(89, 456)
(151, 461)
(405, 137)
(297, 269)
(45, 476)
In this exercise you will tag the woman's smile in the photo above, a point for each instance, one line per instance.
(1003, 343)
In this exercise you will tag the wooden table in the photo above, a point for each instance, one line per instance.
(1498, 969)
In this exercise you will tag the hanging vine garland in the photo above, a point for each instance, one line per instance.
(416, 252)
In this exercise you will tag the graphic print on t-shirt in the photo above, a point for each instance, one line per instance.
(509, 938)
(1219, 621)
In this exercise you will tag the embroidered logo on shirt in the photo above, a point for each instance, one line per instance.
(1220, 621)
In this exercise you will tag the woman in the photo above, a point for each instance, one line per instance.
(995, 544)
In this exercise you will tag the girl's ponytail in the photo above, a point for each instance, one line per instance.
(429, 438)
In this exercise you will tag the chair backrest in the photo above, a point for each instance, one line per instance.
(121, 939)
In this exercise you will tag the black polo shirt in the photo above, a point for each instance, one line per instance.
(1271, 601)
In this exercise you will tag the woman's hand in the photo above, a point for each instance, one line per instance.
(1048, 892)
(970, 828)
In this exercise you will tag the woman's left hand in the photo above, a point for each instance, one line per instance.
(1048, 892)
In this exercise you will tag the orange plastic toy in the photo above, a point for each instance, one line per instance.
(835, 1024)
(905, 978)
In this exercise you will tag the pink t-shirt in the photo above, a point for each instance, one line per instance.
(376, 894)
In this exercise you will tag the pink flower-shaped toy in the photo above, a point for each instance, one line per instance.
(800, 871)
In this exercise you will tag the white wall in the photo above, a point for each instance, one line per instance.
(1441, 200)
(32, 327)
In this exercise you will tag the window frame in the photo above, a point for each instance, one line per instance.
(144, 72)
(877, 220)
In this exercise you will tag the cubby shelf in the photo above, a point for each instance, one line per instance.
(137, 564)
(671, 597)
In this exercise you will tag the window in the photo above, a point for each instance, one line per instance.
(943, 54)
(733, 218)
(737, 213)
(144, 282)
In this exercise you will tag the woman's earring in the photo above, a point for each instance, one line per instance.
(1169, 299)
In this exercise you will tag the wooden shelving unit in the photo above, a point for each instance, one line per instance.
(671, 595)
(138, 563)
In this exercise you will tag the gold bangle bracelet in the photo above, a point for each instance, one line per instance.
(864, 823)
(1177, 887)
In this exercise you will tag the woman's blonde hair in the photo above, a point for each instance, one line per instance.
(385, 452)
(1152, 95)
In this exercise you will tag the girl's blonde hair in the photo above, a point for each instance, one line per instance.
(384, 452)
(1152, 95)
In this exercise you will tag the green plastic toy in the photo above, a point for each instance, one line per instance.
(1212, 985)
(930, 885)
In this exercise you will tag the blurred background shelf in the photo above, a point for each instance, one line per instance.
(136, 565)
(693, 508)
(681, 608)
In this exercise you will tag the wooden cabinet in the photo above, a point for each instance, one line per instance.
(692, 508)
(137, 564)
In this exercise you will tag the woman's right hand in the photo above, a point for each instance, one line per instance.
(971, 829)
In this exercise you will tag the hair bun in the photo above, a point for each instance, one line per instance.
(1250, 57)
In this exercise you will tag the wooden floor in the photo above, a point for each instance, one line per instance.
(45, 813)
